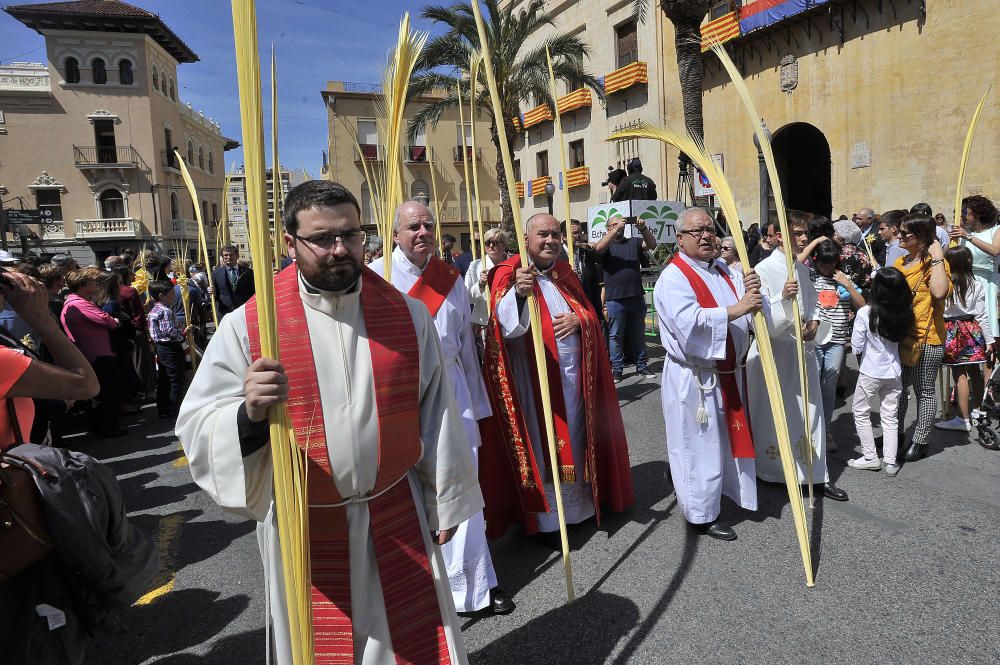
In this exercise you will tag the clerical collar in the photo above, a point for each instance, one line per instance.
(545, 271)
(356, 286)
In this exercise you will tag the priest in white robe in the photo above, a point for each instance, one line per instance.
(222, 425)
(417, 272)
(777, 291)
(704, 312)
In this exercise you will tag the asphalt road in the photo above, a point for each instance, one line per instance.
(907, 570)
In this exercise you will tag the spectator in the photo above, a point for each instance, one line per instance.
(854, 260)
(636, 186)
(475, 278)
(65, 261)
(168, 337)
(197, 274)
(865, 220)
(23, 376)
(728, 254)
(888, 231)
(766, 245)
(980, 234)
(232, 282)
(89, 327)
(109, 299)
(464, 260)
(625, 299)
(447, 249)
(615, 177)
(373, 249)
(939, 230)
(587, 264)
(54, 279)
(11, 320)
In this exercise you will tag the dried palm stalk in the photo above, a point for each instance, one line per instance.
(202, 243)
(966, 150)
(561, 144)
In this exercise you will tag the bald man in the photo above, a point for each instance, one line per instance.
(421, 275)
(592, 449)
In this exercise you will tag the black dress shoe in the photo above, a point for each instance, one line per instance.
(718, 530)
(915, 451)
(831, 491)
(500, 603)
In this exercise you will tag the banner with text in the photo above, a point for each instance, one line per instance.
(660, 217)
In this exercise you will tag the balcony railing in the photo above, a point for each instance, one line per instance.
(416, 153)
(168, 160)
(370, 152)
(125, 227)
(53, 230)
(632, 74)
(185, 227)
(105, 156)
(456, 154)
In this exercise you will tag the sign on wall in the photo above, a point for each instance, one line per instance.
(660, 217)
(33, 216)
(702, 187)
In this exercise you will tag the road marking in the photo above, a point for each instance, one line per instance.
(166, 541)
(181, 461)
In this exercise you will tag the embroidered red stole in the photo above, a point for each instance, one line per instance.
(434, 285)
(513, 486)
(740, 439)
(412, 610)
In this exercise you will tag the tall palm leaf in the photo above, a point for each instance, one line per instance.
(521, 71)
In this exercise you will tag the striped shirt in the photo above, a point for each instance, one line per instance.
(834, 311)
(163, 326)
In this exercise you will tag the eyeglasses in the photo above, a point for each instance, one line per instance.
(727, 248)
(698, 233)
(493, 243)
(327, 241)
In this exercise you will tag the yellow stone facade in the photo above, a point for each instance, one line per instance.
(890, 86)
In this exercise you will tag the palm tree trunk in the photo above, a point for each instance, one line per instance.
(691, 71)
(506, 209)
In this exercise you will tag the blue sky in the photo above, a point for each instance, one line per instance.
(315, 41)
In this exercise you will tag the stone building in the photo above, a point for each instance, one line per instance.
(87, 137)
(868, 102)
(625, 56)
(236, 200)
(351, 112)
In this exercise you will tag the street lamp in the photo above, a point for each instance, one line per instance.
(762, 175)
(550, 189)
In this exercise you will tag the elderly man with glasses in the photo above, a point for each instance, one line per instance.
(704, 313)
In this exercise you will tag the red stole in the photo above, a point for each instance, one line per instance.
(412, 609)
(740, 440)
(434, 285)
(510, 479)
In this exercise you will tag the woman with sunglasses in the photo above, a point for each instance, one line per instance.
(979, 232)
(475, 278)
(922, 352)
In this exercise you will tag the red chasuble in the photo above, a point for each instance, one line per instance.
(740, 438)
(434, 285)
(411, 605)
(509, 474)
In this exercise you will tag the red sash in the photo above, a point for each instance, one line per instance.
(740, 440)
(411, 605)
(434, 285)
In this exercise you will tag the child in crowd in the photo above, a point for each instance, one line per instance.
(968, 336)
(878, 329)
(168, 338)
(837, 299)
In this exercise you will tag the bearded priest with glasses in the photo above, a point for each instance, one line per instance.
(390, 474)
(704, 312)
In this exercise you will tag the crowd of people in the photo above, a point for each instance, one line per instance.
(420, 401)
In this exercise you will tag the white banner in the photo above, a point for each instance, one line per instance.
(660, 217)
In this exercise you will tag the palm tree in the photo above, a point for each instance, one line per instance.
(521, 71)
(686, 15)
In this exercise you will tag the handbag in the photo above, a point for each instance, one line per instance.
(24, 538)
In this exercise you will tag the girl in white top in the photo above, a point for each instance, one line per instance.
(878, 329)
(968, 334)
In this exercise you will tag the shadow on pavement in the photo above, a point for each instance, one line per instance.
(585, 631)
(125, 466)
(238, 649)
(177, 621)
(139, 497)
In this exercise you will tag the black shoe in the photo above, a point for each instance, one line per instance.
(915, 452)
(500, 603)
(718, 530)
(617, 378)
(831, 491)
(646, 373)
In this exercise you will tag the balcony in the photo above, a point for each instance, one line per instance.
(95, 157)
(53, 230)
(578, 177)
(519, 185)
(168, 160)
(625, 77)
(98, 229)
(577, 99)
(370, 152)
(416, 154)
(456, 154)
(537, 186)
(187, 228)
(537, 116)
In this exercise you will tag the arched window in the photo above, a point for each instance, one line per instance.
(72, 70)
(211, 163)
(201, 158)
(419, 191)
(175, 206)
(190, 155)
(98, 71)
(173, 91)
(112, 204)
(215, 213)
(156, 81)
(204, 212)
(125, 76)
(163, 82)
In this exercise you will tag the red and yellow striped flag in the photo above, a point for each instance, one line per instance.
(720, 30)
